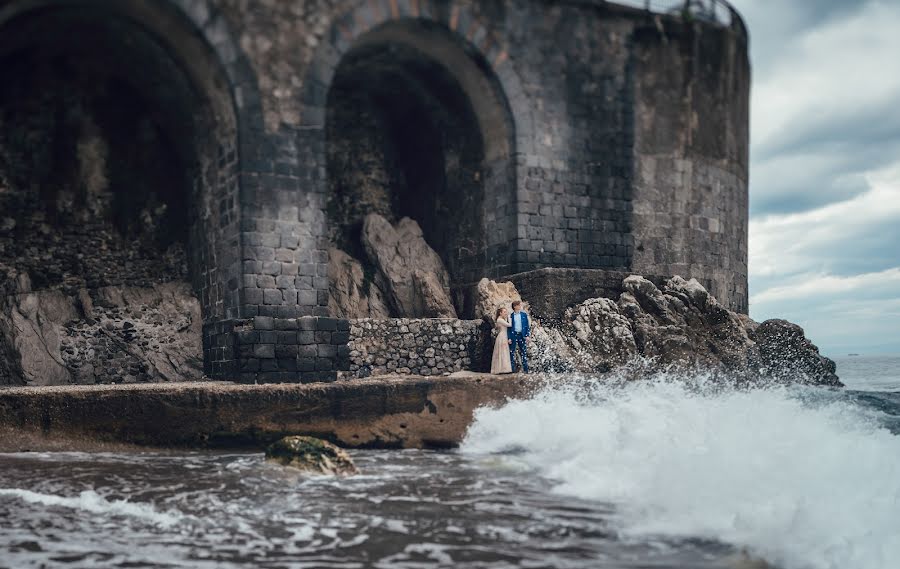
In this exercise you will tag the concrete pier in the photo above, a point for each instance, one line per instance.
(386, 412)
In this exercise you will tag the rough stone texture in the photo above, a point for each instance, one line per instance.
(417, 282)
(409, 346)
(491, 295)
(787, 353)
(105, 335)
(351, 292)
(690, 182)
(552, 291)
(276, 350)
(310, 454)
(602, 137)
(680, 326)
(388, 412)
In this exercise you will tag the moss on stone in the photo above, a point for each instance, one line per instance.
(312, 455)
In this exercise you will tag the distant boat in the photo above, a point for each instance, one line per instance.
(852, 354)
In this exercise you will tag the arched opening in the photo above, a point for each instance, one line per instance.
(117, 150)
(418, 128)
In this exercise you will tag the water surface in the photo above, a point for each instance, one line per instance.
(655, 474)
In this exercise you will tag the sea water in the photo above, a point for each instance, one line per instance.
(663, 473)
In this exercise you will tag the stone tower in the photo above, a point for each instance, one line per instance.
(231, 144)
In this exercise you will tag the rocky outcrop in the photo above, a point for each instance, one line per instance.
(106, 335)
(416, 282)
(310, 454)
(352, 293)
(680, 326)
(787, 353)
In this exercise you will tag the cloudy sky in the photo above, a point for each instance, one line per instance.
(825, 169)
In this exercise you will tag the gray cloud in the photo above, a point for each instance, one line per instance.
(825, 169)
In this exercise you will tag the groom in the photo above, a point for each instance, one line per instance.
(518, 335)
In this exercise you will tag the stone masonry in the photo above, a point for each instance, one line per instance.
(416, 346)
(577, 135)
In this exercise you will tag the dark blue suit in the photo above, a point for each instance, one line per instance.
(517, 340)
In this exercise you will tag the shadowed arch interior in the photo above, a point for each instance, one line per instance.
(116, 139)
(417, 126)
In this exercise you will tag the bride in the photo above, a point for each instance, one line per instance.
(500, 361)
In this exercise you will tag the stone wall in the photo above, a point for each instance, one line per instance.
(417, 346)
(274, 350)
(690, 187)
(613, 138)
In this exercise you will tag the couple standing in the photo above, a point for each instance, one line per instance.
(513, 333)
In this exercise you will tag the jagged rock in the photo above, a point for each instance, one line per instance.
(311, 455)
(788, 355)
(350, 293)
(491, 295)
(32, 326)
(681, 326)
(601, 332)
(418, 284)
(111, 334)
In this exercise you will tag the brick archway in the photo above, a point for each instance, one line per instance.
(457, 39)
(174, 70)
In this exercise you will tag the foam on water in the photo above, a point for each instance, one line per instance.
(803, 478)
(90, 501)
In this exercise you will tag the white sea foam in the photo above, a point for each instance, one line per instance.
(90, 501)
(806, 481)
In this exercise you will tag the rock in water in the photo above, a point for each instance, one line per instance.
(311, 455)
(788, 355)
(680, 326)
(349, 293)
(416, 280)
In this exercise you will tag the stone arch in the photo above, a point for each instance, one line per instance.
(455, 80)
(145, 107)
(194, 47)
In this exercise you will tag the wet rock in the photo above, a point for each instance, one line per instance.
(417, 283)
(787, 354)
(596, 329)
(680, 326)
(311, 455)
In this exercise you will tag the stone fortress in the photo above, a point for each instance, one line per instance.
(235, 188)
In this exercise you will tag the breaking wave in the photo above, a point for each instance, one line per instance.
(90, 501)
(805, 478)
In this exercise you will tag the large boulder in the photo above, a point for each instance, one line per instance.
(788, 355)
(351, 293)
(33, 327)
(417, 283)
(312, 455)
(684, 325)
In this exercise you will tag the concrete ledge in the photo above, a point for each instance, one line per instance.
(385, 412)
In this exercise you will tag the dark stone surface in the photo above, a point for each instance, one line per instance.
(551, 291)
(607, 138)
